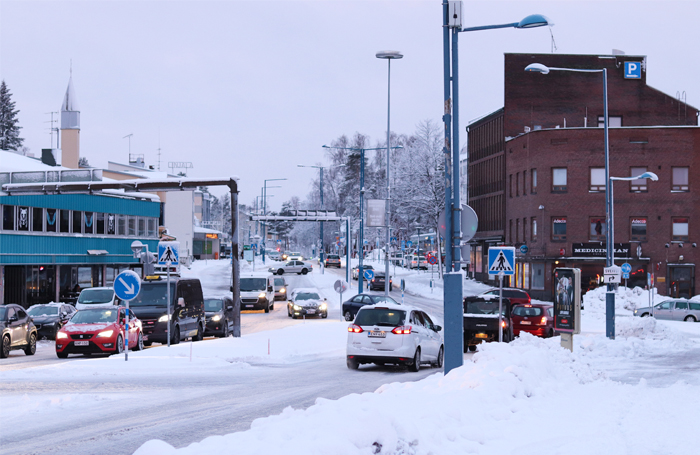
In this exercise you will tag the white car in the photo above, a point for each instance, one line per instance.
(99, 297)
(295, 256)
(298, 267)
(395, 334)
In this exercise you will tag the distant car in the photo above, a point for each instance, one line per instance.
(378, 283)
(275, 255)
(50, 317)
(281, 288)
(481, 321)
(332, 260)
(675, 310)
(18, 330)
(298, 267)
(537, 319)
(98, 331)
(97, 298)
(306, 302)
(219, 314)
(417, 262)
(516, 296)
(394, 334)
(295, 256)
(257, 291)
(355, 270)
(352, 306)
(284, 256)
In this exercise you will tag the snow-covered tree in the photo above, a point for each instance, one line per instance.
(9, 124)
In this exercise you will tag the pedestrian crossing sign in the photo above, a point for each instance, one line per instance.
(502, 260)
(169, 252)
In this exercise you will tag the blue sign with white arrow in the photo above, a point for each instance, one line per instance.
(127, 285)
(369, 274)
(501, 260)
(626, 269)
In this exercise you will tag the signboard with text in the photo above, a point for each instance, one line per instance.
(376, 211)
(598, 250)
(567, 300)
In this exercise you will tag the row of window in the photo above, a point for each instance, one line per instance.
(527, 275)
(596, 231)
(38, 219)
(518, 182)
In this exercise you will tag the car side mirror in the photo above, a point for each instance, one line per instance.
(230, 307)
(438, 328)
(124, 321)
(181, 301)
(269, 289)
(12, 319)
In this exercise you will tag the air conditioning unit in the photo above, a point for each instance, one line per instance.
(527, 129)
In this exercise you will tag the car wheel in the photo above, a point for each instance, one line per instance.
(272, 307)
(550, 334)
(348, 316)
(324, 315)
(304, 271)
(267, 308)
(31, 347)
(62, 355)
(352, 364)
(175, 338)
(472, 348)
(119, 348)
(690, 318)
(5, 349)
(289, 312)
(139, 343)
(415, 366)
(440, 357)
(280, 271)
(294, 316)
(200, 333)
(225, 334)
(644, 315)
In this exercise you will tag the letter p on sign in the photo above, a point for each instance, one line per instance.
(633, 70)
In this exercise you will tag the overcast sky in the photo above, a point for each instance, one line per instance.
(253, 88)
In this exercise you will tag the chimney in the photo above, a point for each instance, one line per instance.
(70, 128)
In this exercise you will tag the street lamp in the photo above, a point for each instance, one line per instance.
(388, 56)
(264, 212)
(610, 295)
(452, 12)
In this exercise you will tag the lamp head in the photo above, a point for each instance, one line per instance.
(537, 68)
(534, 20)
(137, 248)
(390, 55)
(649, 175)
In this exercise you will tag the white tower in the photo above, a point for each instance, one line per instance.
(70, 128)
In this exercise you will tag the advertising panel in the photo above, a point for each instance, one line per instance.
(567, 300)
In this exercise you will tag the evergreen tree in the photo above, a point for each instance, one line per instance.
(9, 128)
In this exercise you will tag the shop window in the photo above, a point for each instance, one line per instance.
(526, 275)
(51, 220)
(533, 230)
(614, 121)
(638, 229)
(680, 229)
(37, 219)
(121, 225)
(99, 223)
(559, 228)
(559, 179)
(537, 276)
(64, 220)
(111, 221)
(679, 179)
(77, 222)
(479, 259)
(518, 275)
(8, 217)
(22, 218)
(597, 228)
(639, 185)
(597, 179)
(132, 225)
(142, 226)
(533, 181)
(89, 222)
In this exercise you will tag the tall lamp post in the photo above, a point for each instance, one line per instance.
(388, 56)
(610, 294)
(264, 228)
(452, 23)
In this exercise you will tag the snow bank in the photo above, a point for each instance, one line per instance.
(626, 299)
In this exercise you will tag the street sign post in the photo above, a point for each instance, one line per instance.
(169, 254)
(612, 274)
(403, 288)
(501, 263)
(626, 269)
(340, 286)
(127, 286)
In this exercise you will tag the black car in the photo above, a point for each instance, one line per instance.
(49, 318)
(220, 315)
(481, 321)
(378, 283)
(186, 309)
(18, 331)
(352, 306)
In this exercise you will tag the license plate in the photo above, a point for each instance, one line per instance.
(145, 338)
(481, 335)
(525, 322)
(250, 306)
(376, 334)
(310, 311)
(81, 343)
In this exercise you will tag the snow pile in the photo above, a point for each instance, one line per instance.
(626, 299)
(507, 399)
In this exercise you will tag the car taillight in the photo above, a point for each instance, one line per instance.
(503, 324)
(402, 330)
(528, 298)
(355, 329)
(543, 321)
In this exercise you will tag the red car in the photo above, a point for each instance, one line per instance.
(516, 296)
(98, 331)
(537, 319)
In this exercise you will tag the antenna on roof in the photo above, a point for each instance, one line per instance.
(554, 45)
(682, 98)
(53, 128)
(159, 149)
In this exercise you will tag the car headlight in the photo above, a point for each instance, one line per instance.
(105, 334)
(61, 335)
(216, 318)
(297, 307)
(283, 290)
(164, 318)
(322, 306)
(261, 295)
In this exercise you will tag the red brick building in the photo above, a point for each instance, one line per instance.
(537, 178)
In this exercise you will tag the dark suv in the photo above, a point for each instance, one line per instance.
(516, 296)
(481, 321)
(187, 317)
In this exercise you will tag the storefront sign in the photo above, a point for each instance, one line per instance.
(598, 250)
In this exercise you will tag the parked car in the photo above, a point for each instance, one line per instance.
(332, 260)
(305, 302)
(394, 334)
(219, 314)
(516, 296)
(675, 310)
(99, 331)
(281, 288)
(186, 309)
(352, 306)
(97, 298)
(481, 321)
(536, 318)
(48, 318)
(295, 256)
(292, 266)
(355, 274)
(378, 283)
(18, 330)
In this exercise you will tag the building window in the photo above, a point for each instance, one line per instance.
(559, 228)
(478, 256)
(51, 220)
(121, 225)
(22, 218)
(64, 220)
(537, 276)
(517, 184)
(559, 179)
(89, 222)
(614, 121)
(132, 225)
(517, 230)
(596, 231)
(524, 230)
(639, 185)
(37, 219)
(111, 223)
(597, 179)
(510, 231)
(99, 223)
(680, 229)
(518, 275)
(680, 179)
(8, 217)
(77, 222)
(533, 231)
(142, 226)
(510, 184)
(151, 227)
(638, 229)
(533, 181)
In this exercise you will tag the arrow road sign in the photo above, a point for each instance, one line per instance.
(502, 260)
(169, 252)
(127, 285)
(369, 274)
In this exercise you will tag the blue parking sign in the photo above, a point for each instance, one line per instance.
(633, 70)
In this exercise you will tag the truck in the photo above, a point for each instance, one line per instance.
(481, 321)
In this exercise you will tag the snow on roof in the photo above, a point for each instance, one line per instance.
(12, 162)
(203, 230)
(70, 102)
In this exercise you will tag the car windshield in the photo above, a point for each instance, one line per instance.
(333, 256)
(96, 316)
(527, 311)
(307, 296)
(279, 281)
(42, 310)
(89, 296)
(483, 307)
(253, 284)
(213, 304)
(294, 254)
(380, 317)
(516, 294)
(154, 294)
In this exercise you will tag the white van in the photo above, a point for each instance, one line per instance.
(257, 291)
(96, 298)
